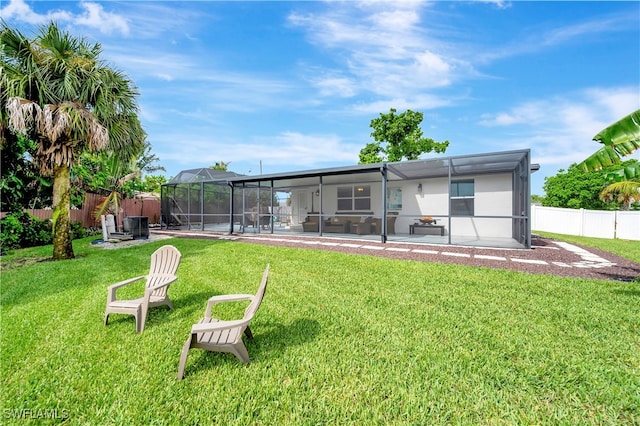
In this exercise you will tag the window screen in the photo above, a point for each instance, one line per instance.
(462, 197)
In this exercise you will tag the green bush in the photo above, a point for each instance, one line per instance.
(77, 231)
(21, 229)
(10, 231)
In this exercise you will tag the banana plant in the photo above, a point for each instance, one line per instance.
(619, 139)
(117, 171)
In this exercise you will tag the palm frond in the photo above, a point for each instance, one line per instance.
(109, 204)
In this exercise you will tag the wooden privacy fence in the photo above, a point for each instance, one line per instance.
(149, 207)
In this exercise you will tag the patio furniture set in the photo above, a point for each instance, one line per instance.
(342, 224)
(209, 333)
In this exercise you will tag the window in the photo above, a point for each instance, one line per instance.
(394, 198)
(354, 198)
(462, 197)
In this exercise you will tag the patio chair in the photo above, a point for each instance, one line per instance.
(164, 263)
(217, 335)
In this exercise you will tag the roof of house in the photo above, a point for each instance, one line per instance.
(203, 174)
(495, 162)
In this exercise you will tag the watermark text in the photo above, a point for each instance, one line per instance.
(35, 413)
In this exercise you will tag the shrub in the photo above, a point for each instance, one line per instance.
(10, 231)
(21, 229)
(77, 231)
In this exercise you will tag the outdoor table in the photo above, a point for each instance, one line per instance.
(412, 228)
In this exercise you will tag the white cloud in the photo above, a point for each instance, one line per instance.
(560, 130)
(384, 47)
(500, 4)
(419, 102)
(293, 148)
(93, 16)
(542, 38)
(336, 86)
(20, 10)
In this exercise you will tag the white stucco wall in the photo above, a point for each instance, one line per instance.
(493, 197)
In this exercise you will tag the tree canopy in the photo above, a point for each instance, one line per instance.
(576, 188)
(56, 90)
(398, 137)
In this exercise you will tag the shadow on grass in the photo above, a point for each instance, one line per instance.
(626, 274)
(20, 262)
(630, 292)
(270, 341)
(182, 307)
(186, 305)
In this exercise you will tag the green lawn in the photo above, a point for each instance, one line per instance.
(339, 339)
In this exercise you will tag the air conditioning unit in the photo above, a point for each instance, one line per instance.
(138, 226)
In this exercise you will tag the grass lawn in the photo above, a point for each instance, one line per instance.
(339, 339)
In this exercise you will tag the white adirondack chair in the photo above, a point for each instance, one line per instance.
(216, 335)
(164, 264)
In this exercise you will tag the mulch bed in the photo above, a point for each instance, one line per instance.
(543, 249)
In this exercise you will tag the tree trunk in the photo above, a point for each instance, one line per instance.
(62, 246)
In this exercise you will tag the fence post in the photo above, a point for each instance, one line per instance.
(581, 229)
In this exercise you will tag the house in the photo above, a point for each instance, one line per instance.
(480, 199)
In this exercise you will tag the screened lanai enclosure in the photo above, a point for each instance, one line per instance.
(480, 200)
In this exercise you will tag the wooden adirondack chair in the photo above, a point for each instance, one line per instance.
(164, 263)
(216, 335)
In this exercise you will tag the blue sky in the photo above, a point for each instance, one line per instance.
(284, 86)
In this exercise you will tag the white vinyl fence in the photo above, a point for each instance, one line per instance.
(586, 223)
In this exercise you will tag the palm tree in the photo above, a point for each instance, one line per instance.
(58, 91)
(624, 192)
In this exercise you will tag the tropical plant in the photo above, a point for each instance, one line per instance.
(397, 137)
(221, 165)
(117, 174)
(147, 161)
(21, 184)
(123, 178)
(625, 193)
(61, 94)
(21, 229)
(620, 139)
